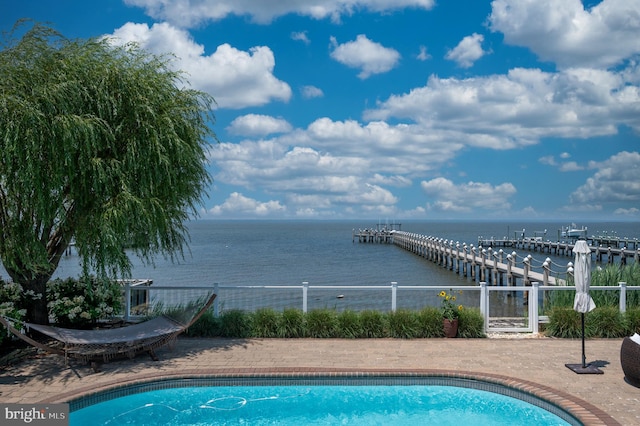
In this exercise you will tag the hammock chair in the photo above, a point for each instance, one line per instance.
(106, 344)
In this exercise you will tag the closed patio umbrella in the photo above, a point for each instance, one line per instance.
(583, 302)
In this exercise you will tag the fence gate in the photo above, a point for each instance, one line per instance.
(500, 297)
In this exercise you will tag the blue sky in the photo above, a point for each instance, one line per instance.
(399, 109)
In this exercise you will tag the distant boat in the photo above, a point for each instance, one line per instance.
(573, 232)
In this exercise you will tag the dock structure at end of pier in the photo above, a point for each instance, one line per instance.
(377, 234)
(601, 246)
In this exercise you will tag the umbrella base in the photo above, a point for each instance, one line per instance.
(587, 369)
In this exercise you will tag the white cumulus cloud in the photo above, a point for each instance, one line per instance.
(616, 180)
(467, 51)
(309, 92)
(368, 56)
(236, 78)
(519, 108)
(258, 125)
(564, 32)
(465, 197)
(237, 205)
(189, 13)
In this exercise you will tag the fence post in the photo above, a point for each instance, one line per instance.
(623, 297)
(484, 298)
(127, 300)
(216, 304)
(305, 291)
(533, 307)
(394, 293)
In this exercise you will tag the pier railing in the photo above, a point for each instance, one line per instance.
(488, 262)
(504, 308)
(483, 264)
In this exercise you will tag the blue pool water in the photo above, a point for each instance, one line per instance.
(316, 405)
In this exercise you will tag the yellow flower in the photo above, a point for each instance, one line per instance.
(449, 309)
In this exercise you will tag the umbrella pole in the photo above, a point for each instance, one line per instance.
(584, 368)
(584, 357)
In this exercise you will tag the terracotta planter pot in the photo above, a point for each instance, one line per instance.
(450, 327)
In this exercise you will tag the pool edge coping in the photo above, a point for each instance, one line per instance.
(584, 411)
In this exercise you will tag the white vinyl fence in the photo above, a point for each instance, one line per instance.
(504, 308)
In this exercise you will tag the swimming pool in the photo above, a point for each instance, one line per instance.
(319, 401)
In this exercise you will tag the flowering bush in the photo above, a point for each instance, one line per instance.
(80, 303)
(10, 303)
(449, 309)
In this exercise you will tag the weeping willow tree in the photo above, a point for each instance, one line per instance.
(100, 144)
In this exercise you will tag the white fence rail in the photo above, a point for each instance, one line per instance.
(504, 308)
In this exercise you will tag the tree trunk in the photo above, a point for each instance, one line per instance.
(37, 311)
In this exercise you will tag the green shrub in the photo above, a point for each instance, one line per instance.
(292, 324)
(205, 326)
(632, 320)
(605, 321)
(471, 323)
(10, 305)
(564, 322)
(430, 319)
(81, 302)
(404, 324)
(235, 323)
(322, 323)
(350, 325)
(374, 324)
(266, 322)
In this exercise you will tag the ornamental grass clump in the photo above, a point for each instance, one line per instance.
(404, 324)
(374, 324)
(322, 323)
(471, 324)
(266, 322)
(449, 309)
(430, 318)
(292, 323)
(350, 325)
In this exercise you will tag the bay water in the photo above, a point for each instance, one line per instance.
(325, 253)
(237, 253)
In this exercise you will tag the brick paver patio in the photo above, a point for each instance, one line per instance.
(535, 363)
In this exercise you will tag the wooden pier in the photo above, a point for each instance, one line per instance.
(477, 262)
(495, 266)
